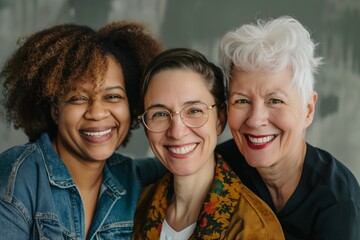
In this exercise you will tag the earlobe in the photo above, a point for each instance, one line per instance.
(310, 107)
(55, 114)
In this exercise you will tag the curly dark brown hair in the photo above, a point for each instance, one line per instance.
(52, 61)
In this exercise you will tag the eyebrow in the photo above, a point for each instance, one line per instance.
(278, 91)
(159, 105)
(85, 90)
(114, 87)
(272, 93)
(238, 94)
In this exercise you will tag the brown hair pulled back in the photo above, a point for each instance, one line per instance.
(186, 59)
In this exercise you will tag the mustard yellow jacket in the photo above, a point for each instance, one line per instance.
(230, 210)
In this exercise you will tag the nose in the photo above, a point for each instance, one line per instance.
(96, 111)
(257, 116)
(177, 129)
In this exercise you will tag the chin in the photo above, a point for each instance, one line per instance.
(258, 163)
(183, 172)
(101, 155)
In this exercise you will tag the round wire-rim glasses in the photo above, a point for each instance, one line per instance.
(159, 119)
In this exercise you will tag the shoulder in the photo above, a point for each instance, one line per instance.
(122, 167)
(226, 146)
(230, 153)
(153, 194)
(119, 161)
(232, 156)
(146, 170)
(21, 167)
(261, 220)
(159, 188)
(18, 161)
(252, 218)
(327, 171)
(249, 214)
(120, 164)
(16, 153)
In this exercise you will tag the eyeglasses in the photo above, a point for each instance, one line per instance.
(159, 119)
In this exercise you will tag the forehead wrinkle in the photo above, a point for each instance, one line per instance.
(114, 87)
(259, 90)
(277, 92)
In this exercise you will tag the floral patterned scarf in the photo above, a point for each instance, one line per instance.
(220, 203)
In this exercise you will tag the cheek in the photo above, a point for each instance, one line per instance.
(235, 119)
(69, 116)
(211, 130)
(153, 138)
(155, 142)
(285, 119)
(122, 113)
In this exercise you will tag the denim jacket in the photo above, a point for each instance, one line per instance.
(39, 199)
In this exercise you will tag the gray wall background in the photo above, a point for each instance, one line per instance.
(199, 24)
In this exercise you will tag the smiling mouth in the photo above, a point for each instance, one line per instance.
(182, 150)
(260, 140)
(97, 134)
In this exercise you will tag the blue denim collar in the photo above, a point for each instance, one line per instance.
(57, 171)
(59, 174)
(112, 182)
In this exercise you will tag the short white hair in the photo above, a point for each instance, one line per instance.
(272, 45)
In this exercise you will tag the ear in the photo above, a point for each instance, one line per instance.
(310, 108)
(222, 118)
(55, 113)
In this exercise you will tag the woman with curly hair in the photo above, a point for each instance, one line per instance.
(73, 91)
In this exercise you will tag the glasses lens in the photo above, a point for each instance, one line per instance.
(157, 119)
(195, 115)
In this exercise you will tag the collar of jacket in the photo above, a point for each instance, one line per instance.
(220, 203)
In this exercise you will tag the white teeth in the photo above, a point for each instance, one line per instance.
(97, 134)
(182, 150)
(262, 140)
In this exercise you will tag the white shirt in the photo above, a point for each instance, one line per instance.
(167, 233)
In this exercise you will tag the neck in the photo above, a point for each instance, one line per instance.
(189, 194)
(283, 178)
(86, 174)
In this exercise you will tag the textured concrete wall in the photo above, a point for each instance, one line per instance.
(199, 24)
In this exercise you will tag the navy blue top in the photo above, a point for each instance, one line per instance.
(325, 204)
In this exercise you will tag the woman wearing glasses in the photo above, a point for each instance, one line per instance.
(201, 197)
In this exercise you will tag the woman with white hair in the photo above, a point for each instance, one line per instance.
(270, 68)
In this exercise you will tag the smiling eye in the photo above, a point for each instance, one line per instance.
(193, 112)
(114, 98)
(160, 114)
(77, 100)
(156, 115)
(240, 103)
(276, 101)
